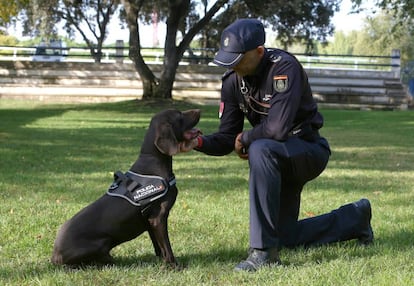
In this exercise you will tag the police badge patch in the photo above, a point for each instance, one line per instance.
(280, 83)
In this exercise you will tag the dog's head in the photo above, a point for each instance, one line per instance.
(173, 127)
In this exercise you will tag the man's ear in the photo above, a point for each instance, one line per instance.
(260, 50)
(165, 140)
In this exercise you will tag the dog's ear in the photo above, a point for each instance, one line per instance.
(165, 139)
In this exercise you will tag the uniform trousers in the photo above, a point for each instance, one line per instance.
(278, 172)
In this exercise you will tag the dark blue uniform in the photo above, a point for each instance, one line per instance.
(285, 151)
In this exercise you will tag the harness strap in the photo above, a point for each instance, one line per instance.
(264, 105)
(139, 190)
(248, 98)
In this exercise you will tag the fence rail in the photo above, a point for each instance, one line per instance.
(81, 82)
(119, 54)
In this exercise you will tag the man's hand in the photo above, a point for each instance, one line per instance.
(190, 140)
(188, 145)
(240, 149)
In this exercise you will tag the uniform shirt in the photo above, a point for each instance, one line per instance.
(276, 100)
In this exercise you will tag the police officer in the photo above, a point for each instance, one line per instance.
(284, 149)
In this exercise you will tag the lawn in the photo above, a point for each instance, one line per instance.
(55, 159)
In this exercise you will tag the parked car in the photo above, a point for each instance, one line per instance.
(54, 51)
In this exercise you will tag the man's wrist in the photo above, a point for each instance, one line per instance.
(199, 142)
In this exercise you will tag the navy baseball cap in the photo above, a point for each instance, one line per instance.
(237, 38)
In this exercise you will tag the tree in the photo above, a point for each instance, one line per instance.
(176, 12)
(41, 17)
(383, 33)
(341, 44)
(302, 20)
(291, 19)
(9, 10)
(90, 17)
(403, 9)
(378, 36)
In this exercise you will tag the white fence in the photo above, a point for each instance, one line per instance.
(336, 80)
(86, 82)
(119, 54)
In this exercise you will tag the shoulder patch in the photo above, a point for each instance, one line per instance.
(280, 83)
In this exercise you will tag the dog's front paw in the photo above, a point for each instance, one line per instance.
(174, 266)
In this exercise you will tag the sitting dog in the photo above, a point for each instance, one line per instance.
(137, 201)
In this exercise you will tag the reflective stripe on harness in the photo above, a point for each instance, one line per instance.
(139, 190)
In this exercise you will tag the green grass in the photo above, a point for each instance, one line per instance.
(55, 159)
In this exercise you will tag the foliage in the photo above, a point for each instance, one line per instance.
(177, 11)
(403, 10)
(10, 9)
(55, 159)
(304, 22)
(383, 33)
(379, 36)
(40, 20)
(91, 19)
(292, 21)
(8, 40)
(393, 28)
(295, 19)
(341, 44)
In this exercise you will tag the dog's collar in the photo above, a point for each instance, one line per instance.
(140, 190)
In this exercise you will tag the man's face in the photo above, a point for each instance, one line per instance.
(249, 62)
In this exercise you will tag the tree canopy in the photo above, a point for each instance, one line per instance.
(9, 10)
(199, 21)
(90, 18)
(404, 9)
(379, 35)
(294, 19)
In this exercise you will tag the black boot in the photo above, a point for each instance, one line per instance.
(366, 235)
(258, 258)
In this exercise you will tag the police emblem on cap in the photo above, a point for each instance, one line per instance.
(280, 83)
(226, 41)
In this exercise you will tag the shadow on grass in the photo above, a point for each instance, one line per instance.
(13, 118)
(225, 258)
(233, 256)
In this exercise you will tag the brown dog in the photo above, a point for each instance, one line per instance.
(137, 201)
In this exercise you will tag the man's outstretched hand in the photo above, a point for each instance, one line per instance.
(188, 145)
(191, 140)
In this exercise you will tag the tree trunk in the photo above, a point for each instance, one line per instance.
(149, 81)
(177, 11)
(78, 19)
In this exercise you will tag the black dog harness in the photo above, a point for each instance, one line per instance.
(139, 190)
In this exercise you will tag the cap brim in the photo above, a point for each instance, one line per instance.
(226, 59)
